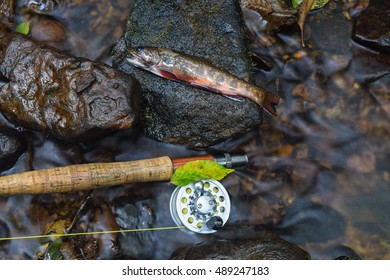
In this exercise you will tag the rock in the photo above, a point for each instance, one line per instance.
(338, 41)
(178, 113)
(48, 30)
(12, 145)
(4, 232)
(269, 247)
(310, 222)
(342, 252)
(70, 98)
(140, 214)
(92, 27)
(264, 209)
(372, 27)
(6, 12)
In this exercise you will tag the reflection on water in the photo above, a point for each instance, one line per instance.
(318, 175)
(83, 28)
(336, 120)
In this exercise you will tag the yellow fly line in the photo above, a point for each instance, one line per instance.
(88, 233)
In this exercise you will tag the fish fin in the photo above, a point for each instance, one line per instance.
(234, 98)
(270, 102)
(200, 86)
(167, 75)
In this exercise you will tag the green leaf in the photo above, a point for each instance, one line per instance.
(23, 28)
(199, 170)
(53, 250)
(316, 4)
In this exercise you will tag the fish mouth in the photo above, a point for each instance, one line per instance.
(132, 52)
(134, 58)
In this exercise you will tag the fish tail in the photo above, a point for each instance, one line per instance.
(270, 102)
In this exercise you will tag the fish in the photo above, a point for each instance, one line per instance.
(200, 73)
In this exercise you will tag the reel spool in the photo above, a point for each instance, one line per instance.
(201, 206)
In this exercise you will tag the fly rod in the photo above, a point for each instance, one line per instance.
(87, 176)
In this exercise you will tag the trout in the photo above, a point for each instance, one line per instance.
(201, 74)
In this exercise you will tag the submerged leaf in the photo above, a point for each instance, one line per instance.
(23, 28)
(261, 6)
(273, 14)
(199, 170)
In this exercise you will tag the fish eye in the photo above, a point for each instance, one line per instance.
(149, 57)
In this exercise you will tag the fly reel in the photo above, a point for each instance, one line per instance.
(201, 206)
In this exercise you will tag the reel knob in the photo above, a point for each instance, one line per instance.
(215, 223)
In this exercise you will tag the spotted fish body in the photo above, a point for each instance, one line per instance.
(199, 73)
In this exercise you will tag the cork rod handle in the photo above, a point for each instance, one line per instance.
(86, 176)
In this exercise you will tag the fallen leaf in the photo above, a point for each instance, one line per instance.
(304, 9)
(199, 170)
(23, 28)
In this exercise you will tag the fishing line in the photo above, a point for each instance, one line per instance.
(88, 233)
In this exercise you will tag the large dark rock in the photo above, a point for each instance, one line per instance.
(12, 145)
(372, 27)
(269, 247)
(70, 98)
(179, 113)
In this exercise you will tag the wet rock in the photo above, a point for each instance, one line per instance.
(342, 252)
(138, 245)
(92, 27)
(372, 27)
(48, 30)
(213, 30)
(104, 220)
(70, 98)
(270, 247)
(318, 25)
(309, 222)
(4, 232)
(12, 145)
(264, 209)
(6, 12)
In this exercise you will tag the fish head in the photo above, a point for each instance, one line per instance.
(145, 58)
